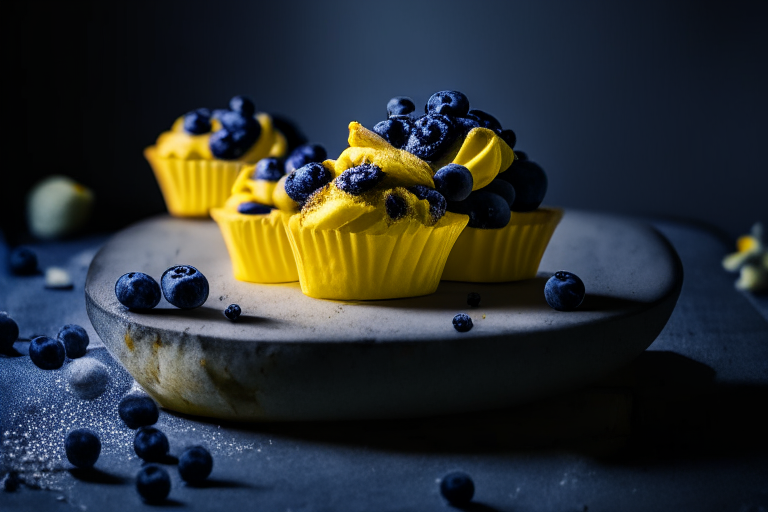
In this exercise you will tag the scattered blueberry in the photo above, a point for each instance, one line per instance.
(253, 208)
(138, 411)
(150, 444)
(242, 104)
(462, 322)
(304, 155)
(231, 145)
(473, 299)
(485, 120)
(437, 203)
(303, 182)
(396, 206)
(83, 448)
(360, 179)
(288, 128)
(530, 184)
(269, 169)
(195, 464)
(9, 332)
(10, 482)
(22, 261)
(400, 106)
(75, 340)
(47, 353)
(454, 182)
(136, 290)
(521, 155)
(564, 291)
(509, 137)
(184, 286)
(502, 188)
(457, 488)
(487, 210)
(153, 483)
(395, 131)
(451, 103)
(232, 312)
(430, 136)
(197, 122)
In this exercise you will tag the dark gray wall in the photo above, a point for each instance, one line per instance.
(631, 107)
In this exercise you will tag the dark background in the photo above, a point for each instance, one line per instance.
(653, 108)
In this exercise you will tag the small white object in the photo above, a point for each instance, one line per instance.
(58, 206)
(58, 278)
(88, 378)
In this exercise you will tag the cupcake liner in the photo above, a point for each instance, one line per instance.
(192, 187)
(258, 246)
(406, 261)
(511, 253)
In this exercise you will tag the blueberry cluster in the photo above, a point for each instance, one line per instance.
(182, 285)
(50, 353)
(448, 118)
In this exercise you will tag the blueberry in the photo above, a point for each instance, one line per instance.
(231, 145)
(452, 103)
(473, 299)
(218, 112)
(195, 464)
(396, 206)
(47, 353)
(454, 182)
(395, 131)
(530, 182)
(236, 121)
(232, 312)
(457, 488)
(270, 169)
(485, 120)
(564, 291)
(509, 137)
(22, 261)
(197, 122)
(136, 290)
(138, 411)
(184, 286)
(303, 182)
(437, 203)
(288, 128)
(521, 155)
(462, 322)
(430, 136)
(150, 444)
(253, 208)
(360, 179)
(83, 448)
(465, 124)
(75, 340)
(487, 210)
(9, 332)
(304, 155)
(502, 188)
(153, 483)
(242, 104)
(400, 106)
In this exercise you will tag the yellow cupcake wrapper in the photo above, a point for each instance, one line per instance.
(258, 246)
(405, 262)
(192, 187)
(510, 253)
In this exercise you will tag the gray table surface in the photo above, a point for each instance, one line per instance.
(682, 428)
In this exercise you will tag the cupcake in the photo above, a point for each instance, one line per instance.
(197, 162)
(253, 217)
(507, 232)
(371, 224)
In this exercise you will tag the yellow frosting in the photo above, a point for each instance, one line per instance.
(177, 143)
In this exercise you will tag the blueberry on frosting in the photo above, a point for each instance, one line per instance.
(502, 188)
(269, 169)
(509, 137)
(395, 130)
(253, 208)
(485, 120)
(487, 210)
(396, 206)
(303, 182)
(242, 104)
(452, 103)
(437, 203)
(236, 121)
(360, 179)
(400, 106)
(454, 182)
(530, 182)
(231, 145)
(197, 122)
(430, 136)
(303, 155)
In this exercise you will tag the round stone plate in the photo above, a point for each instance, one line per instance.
(292, 357)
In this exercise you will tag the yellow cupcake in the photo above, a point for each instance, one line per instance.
(191, 178)
(257, 243)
